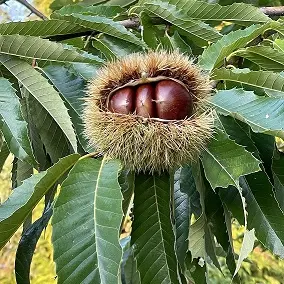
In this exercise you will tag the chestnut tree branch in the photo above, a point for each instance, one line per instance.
(32, 9)
(273, 11)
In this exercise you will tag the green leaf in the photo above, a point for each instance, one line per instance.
(266, 57)
(104, 25)
(42, 49)
(265, 146)
(123, 3)
(196, 270)
(152, 231)
(43, 92)
(58, 4)
(264, 214)
(4, 153)
(86, 71)
(175, 42)
(101, 10)
(239, 13)
(260, 79)
(261, 145)
(20, 172)
(71, 87)
(113, 48)
(41, 28)
(12, 124)
(263, 114)
(179, 44)
(55, 142)
(277, 171)
(197, 30)
(230, 259)
(38, 147)
(149, 31)
(201, 240)
(184, 188)
(86, 224)
(27, 246)
(247, 247)
(219, 221)
(68, 84)
(279, 43)
(196, 237)
(24, 198)
(129, 271)
(104, 49)
(224, 161)
(239, 132)
(118, 47)
(213, 56)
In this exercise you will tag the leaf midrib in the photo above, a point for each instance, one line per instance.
(160, 225)
(95, 208)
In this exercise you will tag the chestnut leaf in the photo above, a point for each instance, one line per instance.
(24, 198)
(198, 31)
(213, 56)
(266, 57)
(266, 80)
(13, 125)
(224, 161)
(262, 114)
(104, 25)
(277, 171)
(71, 87)
(240, 13)
(264, 213)
(86, 223)
(184, 193)
(41, 28)
(152, 230)
(101, 10)
(43, 92)
(42, 49)
(4, 153)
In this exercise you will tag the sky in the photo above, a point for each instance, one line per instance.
(15, 10)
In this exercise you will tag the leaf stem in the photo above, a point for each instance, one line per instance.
(91, 155)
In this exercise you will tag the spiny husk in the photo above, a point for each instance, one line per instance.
(145, 144)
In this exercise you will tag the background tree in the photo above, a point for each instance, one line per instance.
(238, 176)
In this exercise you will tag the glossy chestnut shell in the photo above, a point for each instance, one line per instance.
(164, 99)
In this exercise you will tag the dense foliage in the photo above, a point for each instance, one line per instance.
(182, 220)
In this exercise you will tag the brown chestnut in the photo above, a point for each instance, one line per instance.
(166, 99)
(144, 100)
(173, 100)
(122, 101)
